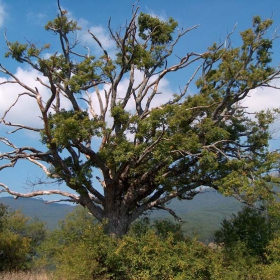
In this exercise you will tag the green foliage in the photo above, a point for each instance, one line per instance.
(78, 249)
(85, 74)
(19, 240)
(156, 34)
(150, 257)
(61, 24)
(76, 76)
(249, 232)
(69, 126)
(3, 216)
(162, 228)
(159, 31)
(138, 56)
(14, 251)
(269, 268)
(21, 52)
(255, 48)
(81, 250)
(17, 50)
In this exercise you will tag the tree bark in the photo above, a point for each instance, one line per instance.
(115, 218)
(116, 224)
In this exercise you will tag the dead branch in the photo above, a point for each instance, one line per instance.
(37, 193)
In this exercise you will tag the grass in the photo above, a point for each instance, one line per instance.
(24, 276)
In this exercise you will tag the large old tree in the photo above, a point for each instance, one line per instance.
(146, 153)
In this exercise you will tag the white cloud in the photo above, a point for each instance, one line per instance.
(37, 18)
(100, 32)
(263, 99)
(2, 13)
(26, 110)
(164, 90)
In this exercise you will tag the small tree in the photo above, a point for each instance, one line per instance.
(147, 155)
(249, 227)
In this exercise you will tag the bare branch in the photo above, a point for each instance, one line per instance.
(37, 193)
(18, 97)
(90, 104)
(99, 43)
(5, 71)
(170, 211)
(43, 167)
(185, 90)
(19, 127)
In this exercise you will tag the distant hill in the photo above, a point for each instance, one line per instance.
(31, 207)
(201, 216)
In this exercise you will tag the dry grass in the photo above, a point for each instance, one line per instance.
(25, 276)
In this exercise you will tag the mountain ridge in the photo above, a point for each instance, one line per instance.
(51, 213)
(201, 216)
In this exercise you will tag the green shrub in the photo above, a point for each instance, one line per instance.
(19, 240)
(250, 229)
(80, 249)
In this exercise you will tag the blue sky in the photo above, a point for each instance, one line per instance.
(25, 19)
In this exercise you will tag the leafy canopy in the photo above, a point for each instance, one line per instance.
(147, 154)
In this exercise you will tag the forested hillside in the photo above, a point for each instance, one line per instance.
(200, 216)
(51, 214)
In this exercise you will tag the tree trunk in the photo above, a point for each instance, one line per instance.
(115, 216)
(116, 224)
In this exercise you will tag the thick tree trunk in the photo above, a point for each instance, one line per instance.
(115, 214)
(116, 224)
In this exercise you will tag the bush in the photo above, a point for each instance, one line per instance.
(19, 239)
(250, 229)
(163, 228)
(80, 249)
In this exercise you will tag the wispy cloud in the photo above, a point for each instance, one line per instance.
(100, 32)
(37, 18)
(3, 13)
(161, 16)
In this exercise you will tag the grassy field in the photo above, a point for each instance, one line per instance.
(25, 276)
